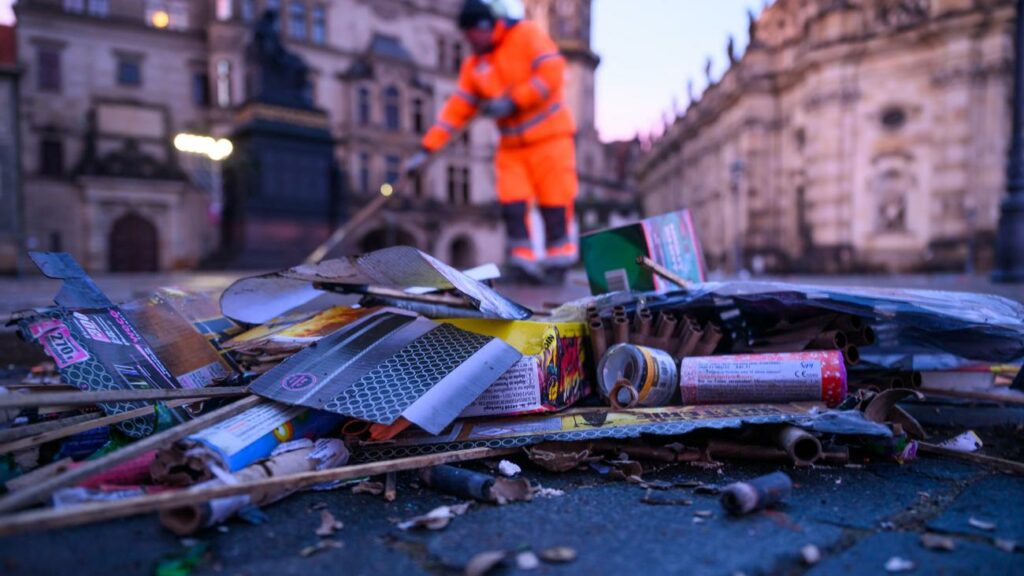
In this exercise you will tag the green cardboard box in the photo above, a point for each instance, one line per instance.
(609, 256)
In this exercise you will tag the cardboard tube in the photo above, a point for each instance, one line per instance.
(847, 323)
(620, 327)
(851, 355)
(831, 340)
(458, 482)
(688, 339)
(598, 340)
(709, 341)
(916, 380)
(729, 450)
(187, 519)
(863, 337)
(800, 445)
(745, 497)
(665, 325)
(644, 319)
(625, 388)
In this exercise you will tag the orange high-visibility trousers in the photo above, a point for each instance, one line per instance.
(543, 173)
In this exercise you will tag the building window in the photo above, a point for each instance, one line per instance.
(417, 185)
(452, 186)
(297, 20)
(224, 83)
(363, 106)
(99, 8)
(319, 24)
(178, 10)
(457, 58)
(392, 168)
(465, 185)
(894, 118)
(201, 89)
(56, 241)
(392, 109)
(248, 10)
(225, 10)
(442, 53)
(129, 71)
(77, 6)
(364, 172)
(48, 75)
(51, 156)
(891, 189)
(418, 119)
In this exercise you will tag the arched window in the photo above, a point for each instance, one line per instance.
(392, 109)
(297, 20)
(418, 119)
(457, 60)
(363, 106)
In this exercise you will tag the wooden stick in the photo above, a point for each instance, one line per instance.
(1000, 463)
(660, 270)
(51, 518)
(971, 395)
(44, 489)
(75, 428)
(357, 219)
(17, 433)
(85, 398)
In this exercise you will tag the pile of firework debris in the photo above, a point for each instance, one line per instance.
(201, 409)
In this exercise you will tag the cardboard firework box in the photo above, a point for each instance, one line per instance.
(550, 376)
(609, 256)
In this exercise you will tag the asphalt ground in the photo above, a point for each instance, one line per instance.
(859, 517)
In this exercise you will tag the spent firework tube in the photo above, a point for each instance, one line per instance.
(785, 377)
(636, 376)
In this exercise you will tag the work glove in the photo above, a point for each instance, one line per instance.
(499, 108)
(416, 162)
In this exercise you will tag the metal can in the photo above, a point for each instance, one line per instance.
(818, 376)
(632, 376)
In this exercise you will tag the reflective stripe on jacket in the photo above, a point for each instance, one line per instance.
(526, 66)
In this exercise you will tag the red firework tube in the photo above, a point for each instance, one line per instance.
(785, 377)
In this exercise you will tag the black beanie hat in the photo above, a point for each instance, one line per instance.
(474, 12)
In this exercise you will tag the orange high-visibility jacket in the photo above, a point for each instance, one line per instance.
(524, 65)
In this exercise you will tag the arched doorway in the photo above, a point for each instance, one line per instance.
(462, 253)
(133, 245)
(386, 237)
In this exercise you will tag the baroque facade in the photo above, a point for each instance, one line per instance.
(109, 83)
(852, 135)
(10, 187)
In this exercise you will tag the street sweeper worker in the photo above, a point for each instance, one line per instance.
(515, 76)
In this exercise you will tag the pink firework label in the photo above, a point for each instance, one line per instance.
(58, 342)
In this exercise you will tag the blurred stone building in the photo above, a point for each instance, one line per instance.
(108, 84)
(10, 187)
(851, 135)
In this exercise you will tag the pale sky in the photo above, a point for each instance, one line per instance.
(648, 49)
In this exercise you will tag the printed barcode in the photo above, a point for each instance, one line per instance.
(617, 280)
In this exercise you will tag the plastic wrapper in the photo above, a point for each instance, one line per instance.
(916, 329)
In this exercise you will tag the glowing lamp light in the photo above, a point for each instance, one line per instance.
(160, 19)
(387, 189)
(214, 149)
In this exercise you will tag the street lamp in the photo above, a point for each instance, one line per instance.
(1010, 240)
